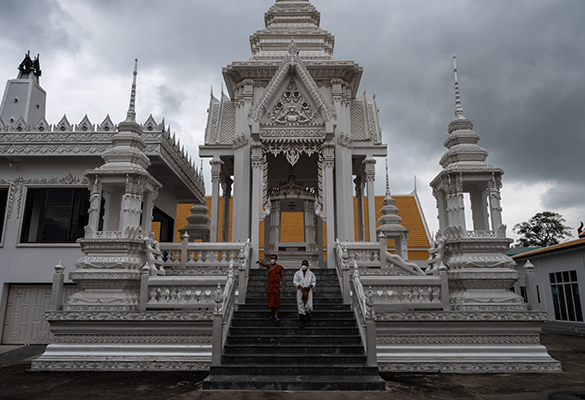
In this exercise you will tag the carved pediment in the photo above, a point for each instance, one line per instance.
(292, 109)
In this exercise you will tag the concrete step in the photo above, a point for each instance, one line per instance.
(292, 307)
(289, 322)
(296, 339)
(279, 358)
(298, 369)
(316, 314)
(292, 301)
(276, 330)
(297, 349)
(294, 382)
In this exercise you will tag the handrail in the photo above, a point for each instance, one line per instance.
(364, 311)
(243, 270)
(179, 258)
(402, 263)
(225, 302)
(343, 273)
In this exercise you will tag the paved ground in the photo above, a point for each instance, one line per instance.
(18, 382)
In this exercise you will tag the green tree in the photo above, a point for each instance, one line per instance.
(545, 229)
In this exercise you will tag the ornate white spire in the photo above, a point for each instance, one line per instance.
(131, 115)
(458, 107)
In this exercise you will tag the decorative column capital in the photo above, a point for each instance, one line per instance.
(329, 155)
(257, 154)
(370, 168)
(216, 164)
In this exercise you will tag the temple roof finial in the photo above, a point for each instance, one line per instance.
(387, 182)
(458, 107)
(131, 115)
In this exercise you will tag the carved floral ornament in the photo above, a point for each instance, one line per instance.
(292, 150)
(291, 108)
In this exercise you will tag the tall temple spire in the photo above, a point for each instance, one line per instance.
(131, 115)
(458, 107)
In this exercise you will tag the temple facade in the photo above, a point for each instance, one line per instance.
(295, 118)
(291, 135)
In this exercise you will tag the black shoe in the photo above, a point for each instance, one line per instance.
(302, 324)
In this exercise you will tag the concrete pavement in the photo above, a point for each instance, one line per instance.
(18, 382)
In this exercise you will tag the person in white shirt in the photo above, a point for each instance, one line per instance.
(304, 280)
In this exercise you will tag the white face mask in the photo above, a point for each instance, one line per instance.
(304, 267)
(272, 262)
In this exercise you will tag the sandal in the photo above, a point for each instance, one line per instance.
(276, 319)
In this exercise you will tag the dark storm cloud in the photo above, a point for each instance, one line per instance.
(520, 69)
(37, 26)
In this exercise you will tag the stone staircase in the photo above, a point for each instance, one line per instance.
(264, 355)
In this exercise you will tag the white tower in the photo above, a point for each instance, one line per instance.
(480, 272)
(24, 97)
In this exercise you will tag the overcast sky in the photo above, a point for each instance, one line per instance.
(521, 70)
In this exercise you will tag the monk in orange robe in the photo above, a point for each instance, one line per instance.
(274, 280)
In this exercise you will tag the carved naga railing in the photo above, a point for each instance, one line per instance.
(364, 311)
(223, 312)
(393, 283)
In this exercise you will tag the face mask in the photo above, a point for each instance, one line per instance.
(272, 262)
(304, 267)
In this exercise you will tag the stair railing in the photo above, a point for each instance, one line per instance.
(196, 258)
(243, 271)
(363, 306)
(343, 270)
(225, 302)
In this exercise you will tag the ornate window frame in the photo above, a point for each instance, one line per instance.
(19, 193)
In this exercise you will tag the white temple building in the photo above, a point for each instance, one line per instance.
(292, 134)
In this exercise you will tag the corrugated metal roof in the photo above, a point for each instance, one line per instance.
(550, 249)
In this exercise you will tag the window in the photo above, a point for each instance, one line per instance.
(55, 215)
(3, 201)
(566, 297)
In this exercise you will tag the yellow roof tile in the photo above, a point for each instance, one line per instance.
(292, 230)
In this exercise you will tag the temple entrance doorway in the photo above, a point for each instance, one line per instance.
(293, 230)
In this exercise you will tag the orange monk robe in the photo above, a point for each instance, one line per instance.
(273, 286)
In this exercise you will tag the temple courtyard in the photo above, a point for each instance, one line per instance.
(18, 382)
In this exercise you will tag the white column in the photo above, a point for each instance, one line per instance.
(95, 201)
(328, 164)
(370, 164)
(496, 209)
(459, 201)
(274, 226)
(241, 195)
(309, 220)
(215, 181)
(256, 160)
(344, 192)
(441, 209)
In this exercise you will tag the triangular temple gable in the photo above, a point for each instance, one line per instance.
(292, 68)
